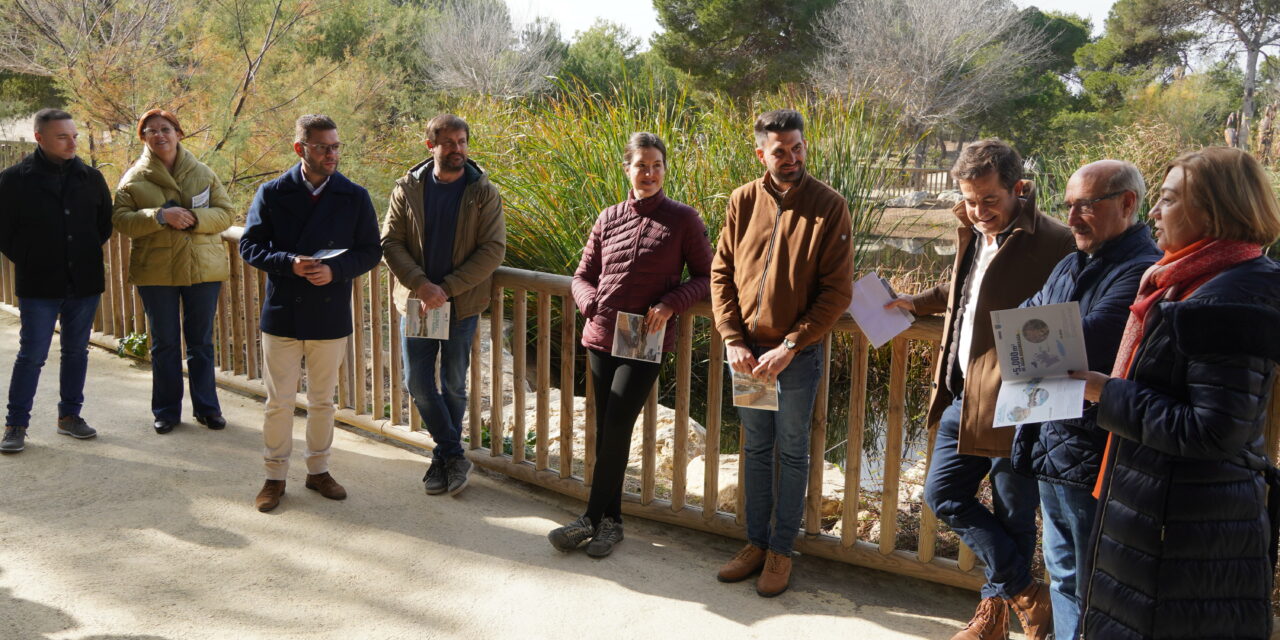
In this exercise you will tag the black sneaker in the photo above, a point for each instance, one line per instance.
(572, 535)
(610, 534)
(14, 439)
(76, 427)
(435, 481)
(458, 470)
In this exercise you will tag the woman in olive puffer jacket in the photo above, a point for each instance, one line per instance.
(174, 209)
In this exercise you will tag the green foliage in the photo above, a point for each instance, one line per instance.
(739, 46)
(134, 345)
(1145, 41)
(607, 55)
(22, 94)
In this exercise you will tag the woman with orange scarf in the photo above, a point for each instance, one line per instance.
(1182, 544)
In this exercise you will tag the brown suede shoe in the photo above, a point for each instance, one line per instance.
(990, 622)
(742, 565)
(1034, 610)
(269, 497)
(776, 576)
(326, 485)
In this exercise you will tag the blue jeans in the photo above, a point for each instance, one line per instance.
(198, 303)
(1004, 540)
(775, 498)
(441, 407)
(1068, 521)
(38, 316)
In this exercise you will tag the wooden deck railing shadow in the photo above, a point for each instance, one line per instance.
(371, 397)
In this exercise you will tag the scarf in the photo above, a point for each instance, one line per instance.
(1174, 277)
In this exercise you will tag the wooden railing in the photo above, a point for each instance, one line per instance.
(904, 180)
(371, 397)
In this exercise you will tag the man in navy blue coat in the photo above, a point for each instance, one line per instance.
(294, 221)
(1114, 249)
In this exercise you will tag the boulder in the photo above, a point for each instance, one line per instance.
(911, 200)
(949, 197)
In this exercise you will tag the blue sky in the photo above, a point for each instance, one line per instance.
(641, 19)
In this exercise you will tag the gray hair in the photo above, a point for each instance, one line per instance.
(1129, 178)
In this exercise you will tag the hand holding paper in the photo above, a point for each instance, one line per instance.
(878, 311)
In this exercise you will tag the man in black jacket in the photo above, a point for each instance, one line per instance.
(1113, 251)
(55, 215)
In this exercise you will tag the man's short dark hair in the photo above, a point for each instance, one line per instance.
(446, 122)
(45, 116)
(778, 121)
(983, 157)
(312, 122)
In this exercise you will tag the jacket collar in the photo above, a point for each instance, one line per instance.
(41, 163)
(471, 172)
(645, 206)
(1129, 243)
(788, 199)
(292, 180)
(155, 171)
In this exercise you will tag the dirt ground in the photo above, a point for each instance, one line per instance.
(139, 536)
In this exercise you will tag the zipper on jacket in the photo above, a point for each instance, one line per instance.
(1102, 522)
(764, 276)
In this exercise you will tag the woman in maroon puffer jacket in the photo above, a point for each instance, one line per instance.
(632, 263)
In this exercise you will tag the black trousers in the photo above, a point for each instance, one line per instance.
(621, 386)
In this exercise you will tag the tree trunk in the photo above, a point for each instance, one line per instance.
(1250, 85)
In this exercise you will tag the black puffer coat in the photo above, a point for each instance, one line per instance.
(1180, 548)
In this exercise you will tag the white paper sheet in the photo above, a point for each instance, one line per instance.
(201, 200)
(870, 294)
(631, 341)
(325, 254)
(1037, 346)
(434, 324)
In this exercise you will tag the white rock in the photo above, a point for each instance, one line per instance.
(913, 199)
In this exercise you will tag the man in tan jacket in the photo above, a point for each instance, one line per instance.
(781, 277)
(443, 238)
(1005, 249)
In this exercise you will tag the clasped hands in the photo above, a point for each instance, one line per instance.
(766, 368)
(178, 217)
(314, 271)
(431, 296)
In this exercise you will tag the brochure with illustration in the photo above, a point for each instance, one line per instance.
(752, 393)
(201, 200)
(631, 341)
(1037, 346)
(433, 324)
(870, 294)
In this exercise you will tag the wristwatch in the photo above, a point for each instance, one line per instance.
(791, 346)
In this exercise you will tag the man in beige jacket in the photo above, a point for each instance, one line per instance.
(443, 237)
(1005, 250)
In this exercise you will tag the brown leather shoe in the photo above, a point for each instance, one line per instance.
(326, 485)
(742, 565)
(1034, 610)
(776, 576)
(990, 622)
(269, 497)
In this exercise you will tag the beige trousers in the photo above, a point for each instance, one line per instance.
(284, 358)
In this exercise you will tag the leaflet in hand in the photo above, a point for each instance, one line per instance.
(631, 341)
(201, 200)
(870, 294)
(433, 324)
(325, 254)
(1037, 346)
(752, 393)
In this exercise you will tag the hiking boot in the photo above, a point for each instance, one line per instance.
(1034, 610)
(742, 565)
(776, 576)
(326, 485)
(572, 535)
(610, 534)
(990, 621)
(436, 481)
(15, 439)
(269, 497)
(458, 470)
(216, 423)
(76, 427)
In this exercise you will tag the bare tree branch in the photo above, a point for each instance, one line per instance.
(474, 48)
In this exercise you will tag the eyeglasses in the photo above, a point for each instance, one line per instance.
(162, 130)
(1086, 206)
(324, 149)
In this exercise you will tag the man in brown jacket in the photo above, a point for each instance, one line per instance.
(781, 277)
(1005, 249)
(443, 238)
